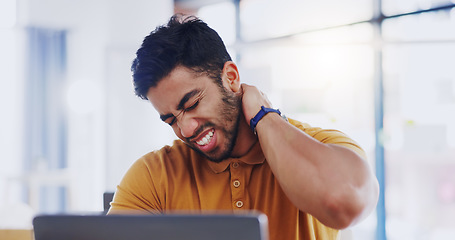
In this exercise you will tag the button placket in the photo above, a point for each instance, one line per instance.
(236, 183)
(235, 164)
(237, 186)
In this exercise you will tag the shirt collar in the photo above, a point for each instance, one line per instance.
(253, 156)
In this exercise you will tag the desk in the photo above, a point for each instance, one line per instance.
(16, 234)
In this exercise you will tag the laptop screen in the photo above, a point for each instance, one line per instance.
(251, 226)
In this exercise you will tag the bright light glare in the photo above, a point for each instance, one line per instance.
(84, 97)
(7, 13)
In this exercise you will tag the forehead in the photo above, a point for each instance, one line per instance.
(169, 90)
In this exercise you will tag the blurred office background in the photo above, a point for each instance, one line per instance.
(382, 71)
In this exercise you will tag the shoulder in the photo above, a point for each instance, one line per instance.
(323, 135)
(329, 136)
(174, 161)
(154, 167)
(176, 154)
(144, 184)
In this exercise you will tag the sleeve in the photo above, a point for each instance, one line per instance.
(329, 136)
(137, 191)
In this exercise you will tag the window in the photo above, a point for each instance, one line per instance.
(380, 71)
(419, 123)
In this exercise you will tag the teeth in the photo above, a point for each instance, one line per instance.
(205, 140)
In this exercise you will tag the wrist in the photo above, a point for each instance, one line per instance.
(262, 112)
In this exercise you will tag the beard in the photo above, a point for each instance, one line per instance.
(229, 112)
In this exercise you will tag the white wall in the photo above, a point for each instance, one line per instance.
(116, 127)
(11, 114)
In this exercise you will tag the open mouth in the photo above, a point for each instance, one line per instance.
(206, 139)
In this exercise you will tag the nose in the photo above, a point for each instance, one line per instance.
(187, 126)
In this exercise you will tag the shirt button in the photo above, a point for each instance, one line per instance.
(235, 165)
(239, 204)
(236, 183)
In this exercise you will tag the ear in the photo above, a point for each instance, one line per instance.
(230, 76)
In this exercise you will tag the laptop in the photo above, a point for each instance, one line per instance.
(249, 226)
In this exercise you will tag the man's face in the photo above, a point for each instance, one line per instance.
(202, 114)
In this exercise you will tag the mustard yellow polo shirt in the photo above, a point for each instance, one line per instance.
(178, 178)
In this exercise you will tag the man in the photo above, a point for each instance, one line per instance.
(236, 152)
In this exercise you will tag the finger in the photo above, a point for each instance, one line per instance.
(242, 86)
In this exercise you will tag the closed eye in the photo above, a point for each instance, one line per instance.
(192, 106)
(174, 119)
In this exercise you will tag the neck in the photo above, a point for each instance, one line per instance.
(245, 139)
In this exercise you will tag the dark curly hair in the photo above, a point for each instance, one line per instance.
(185, 41)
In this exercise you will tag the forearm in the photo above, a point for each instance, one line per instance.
(331, 182)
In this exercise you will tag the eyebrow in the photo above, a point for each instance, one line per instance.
(182, 102)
